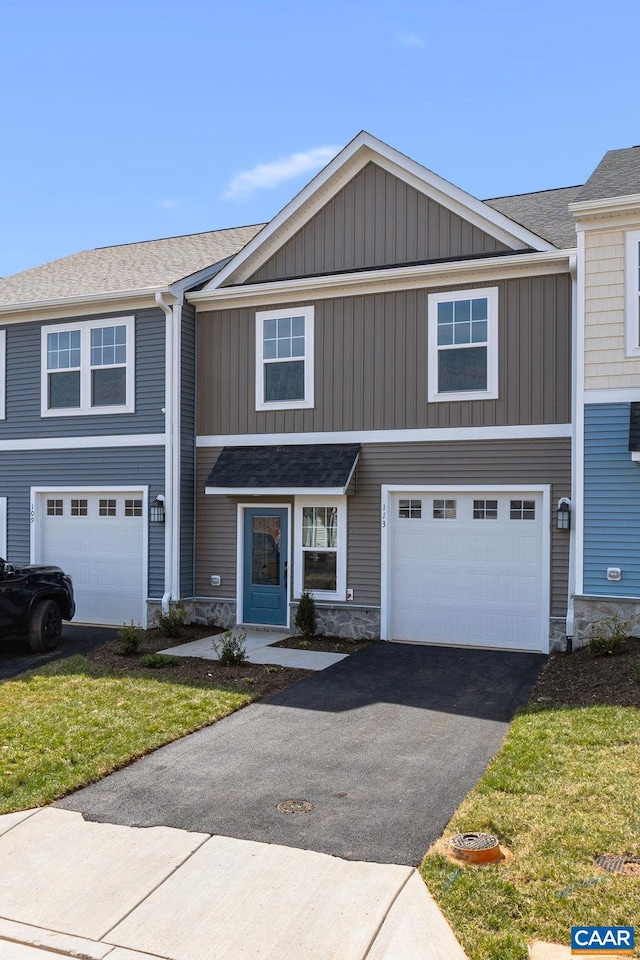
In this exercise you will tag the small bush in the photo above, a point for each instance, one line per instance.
(129, 639)
(607, 636)
(306, 615)
(230, 649)
(171, 624)
(158, 660)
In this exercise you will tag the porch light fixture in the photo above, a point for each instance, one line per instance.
(156, 510)
(563, 514)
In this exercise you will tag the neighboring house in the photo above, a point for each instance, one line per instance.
(97, 419)
(384, 411)
(607, 477)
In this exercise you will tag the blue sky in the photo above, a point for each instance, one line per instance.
(135, 119)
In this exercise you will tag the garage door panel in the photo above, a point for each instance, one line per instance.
(466, 580)
(104, 554)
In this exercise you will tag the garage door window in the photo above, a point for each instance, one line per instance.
(133, 508)
(444, 509)
(523, 510)
(55, 508)
(410, 509)
(79, 508)
(107, 508)
(485, 509)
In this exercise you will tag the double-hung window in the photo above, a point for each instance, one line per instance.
(463, 345)
(284, 359)
(632, 297)
(88, 367)
(320, 556)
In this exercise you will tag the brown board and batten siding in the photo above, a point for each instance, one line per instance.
(371, 364)
(500, 462)
(376, 220)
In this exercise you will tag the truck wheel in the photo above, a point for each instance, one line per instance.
(45, 626)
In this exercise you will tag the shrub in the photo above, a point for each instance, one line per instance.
(158, 660)
(129, 639)
(306, 615)
(171, 624)
(230, 650)
(607, 636)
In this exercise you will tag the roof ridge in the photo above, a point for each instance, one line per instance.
(178, 236)
(531, 193)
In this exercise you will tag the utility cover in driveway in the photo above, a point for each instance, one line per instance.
(385, 744)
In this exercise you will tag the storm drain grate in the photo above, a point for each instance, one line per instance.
(622, 863)
(295, 806)
(476, 847)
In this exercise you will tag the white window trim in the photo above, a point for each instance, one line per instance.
(491, 393)
(340, 593)
(85, 408)
(3, 528)
(308, 401)
(3, 374)
(632, 294)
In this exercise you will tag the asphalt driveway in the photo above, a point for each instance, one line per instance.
(385, 744)
(16, 658)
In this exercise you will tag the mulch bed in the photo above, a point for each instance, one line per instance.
(255, 678)
(323, 644)
(581, 679)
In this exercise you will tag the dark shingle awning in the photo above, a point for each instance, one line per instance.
(293, 469)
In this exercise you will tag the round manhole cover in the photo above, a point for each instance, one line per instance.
(476, 847)
(295, 806)
(622, 863)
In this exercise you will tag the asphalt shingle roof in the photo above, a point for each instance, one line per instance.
(545, 213)
(319, 465)
(617, 175)
(131, 266)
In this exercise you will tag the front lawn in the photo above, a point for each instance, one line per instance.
(75, 720)
(563, 789)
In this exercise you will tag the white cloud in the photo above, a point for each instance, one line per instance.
(266, 175)
(168, 204)
(411, 40)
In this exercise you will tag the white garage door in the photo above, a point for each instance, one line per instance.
(98, 538)
(468, 568)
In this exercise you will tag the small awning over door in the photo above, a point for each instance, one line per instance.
(293, 469)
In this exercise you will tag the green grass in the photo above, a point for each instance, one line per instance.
(72, 722)
(563, 789)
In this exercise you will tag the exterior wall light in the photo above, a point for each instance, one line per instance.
(156, 510)
(563, 514)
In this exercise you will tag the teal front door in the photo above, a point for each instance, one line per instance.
(265, 580)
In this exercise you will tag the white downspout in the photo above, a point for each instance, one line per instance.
(576, 448)
(168, 451)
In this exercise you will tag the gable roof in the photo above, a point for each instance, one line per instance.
(362, 150)
(546, 212)
(149, 265)
(617, 175)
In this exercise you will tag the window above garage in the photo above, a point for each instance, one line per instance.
(284, 359)
(463, 345)
(88, 367)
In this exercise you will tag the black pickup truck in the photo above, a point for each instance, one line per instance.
(34, 600)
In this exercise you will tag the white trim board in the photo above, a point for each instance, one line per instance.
(612, 395)
(84, 443)
(3, 373)
(536, 431)
(3, 528)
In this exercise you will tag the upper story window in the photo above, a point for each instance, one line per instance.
(3, 371)
(632, 297)
(463, 345)
(284, 359)
(88, 367)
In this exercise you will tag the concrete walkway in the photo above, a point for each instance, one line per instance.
(259, 650)
(106, 892)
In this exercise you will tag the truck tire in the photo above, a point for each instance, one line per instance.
(45, 626)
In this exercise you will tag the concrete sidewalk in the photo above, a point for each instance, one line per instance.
(106, 892)
(259, 649)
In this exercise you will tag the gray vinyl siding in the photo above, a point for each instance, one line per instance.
(187, 448)
(23, 406)
(371, 365)
(21, 470)
(496, 462)
(376, 220)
